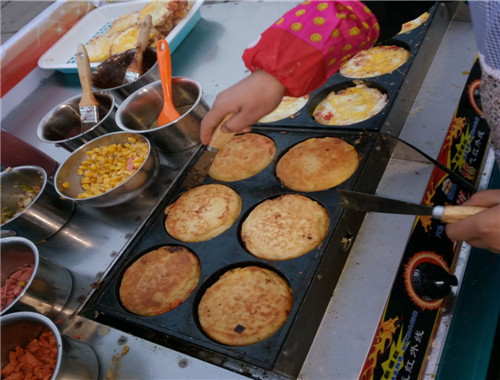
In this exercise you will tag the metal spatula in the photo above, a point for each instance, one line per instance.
(89, 106)
(198, 173)
(135, 69)
(374, 203)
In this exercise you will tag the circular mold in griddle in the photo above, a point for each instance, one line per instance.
(317, 164)
(284, 227)
(384, 58)
(202, 213)
(243, 304)
(244, 156)
(159, 280)
(348, 103)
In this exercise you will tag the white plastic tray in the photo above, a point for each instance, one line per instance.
(61, 56)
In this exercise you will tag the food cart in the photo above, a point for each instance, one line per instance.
(347, 291)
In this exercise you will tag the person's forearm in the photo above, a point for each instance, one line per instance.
(309, 43)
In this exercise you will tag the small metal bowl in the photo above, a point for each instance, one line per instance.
(75, 359)
(108, 76)
(49, 286)
(44, 216)
(123, 192)
(62, 125)
(139, 113)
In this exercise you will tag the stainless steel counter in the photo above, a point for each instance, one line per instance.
(211, 54)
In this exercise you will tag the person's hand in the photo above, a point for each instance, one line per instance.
(481, 230)
(250, 99)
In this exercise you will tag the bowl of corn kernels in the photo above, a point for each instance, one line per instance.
(109, 170)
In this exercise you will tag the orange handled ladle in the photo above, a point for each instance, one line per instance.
(168, 113)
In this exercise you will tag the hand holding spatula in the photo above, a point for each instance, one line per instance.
(135, 69)
(89, 106)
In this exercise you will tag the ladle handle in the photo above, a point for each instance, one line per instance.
(165, 68)
(84, 73)
(142, 44)
(219, 137)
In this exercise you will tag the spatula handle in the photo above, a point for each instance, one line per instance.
(142, 44)
(452, 214)
(83, 64)
(220, 138)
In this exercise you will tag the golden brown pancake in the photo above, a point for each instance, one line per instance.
(285, 227)
(202, 213)
(159, 280)
(246, 305)
(317, 164)
(377, 60)
(242, 157)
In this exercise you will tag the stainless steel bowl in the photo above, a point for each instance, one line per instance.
(75, 359)
(109, 74)
(48, 288)
(62, 126)
(139, 113)
(44, 216)
(124, 192)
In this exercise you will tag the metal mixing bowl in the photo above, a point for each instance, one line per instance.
(44, 216)
(75, 359)
(139, 113)
(48, 288)
(123, 192)
(62, 125)
(109, 74)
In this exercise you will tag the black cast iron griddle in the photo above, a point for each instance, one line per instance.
(179, 328)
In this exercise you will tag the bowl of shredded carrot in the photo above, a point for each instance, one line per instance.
(33, 348)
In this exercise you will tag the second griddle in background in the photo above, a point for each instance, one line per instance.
(391, 83)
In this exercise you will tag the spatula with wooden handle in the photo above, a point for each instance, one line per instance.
(135, 69)
(89, 106)
(374, 203)
(198, 173)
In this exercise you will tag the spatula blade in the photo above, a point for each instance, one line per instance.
(373, 203)
(199, 171)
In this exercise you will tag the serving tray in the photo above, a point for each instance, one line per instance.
(61, 56)
(179, 327)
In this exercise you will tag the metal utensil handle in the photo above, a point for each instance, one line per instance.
(142, 43)
(452, 214)
(83, 64)
(219, 137)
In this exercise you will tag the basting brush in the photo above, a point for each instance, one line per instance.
(89, 106)
(135, 69)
